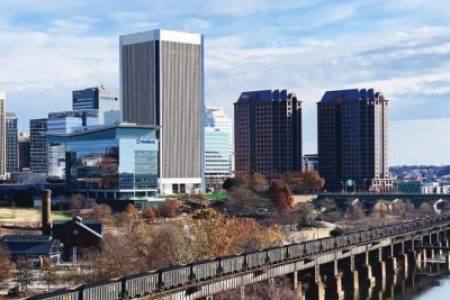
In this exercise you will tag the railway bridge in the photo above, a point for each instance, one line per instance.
(325, 268)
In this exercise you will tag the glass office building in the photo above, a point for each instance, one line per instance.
(65, 122)
(99, 98)
(110, 163)
(218, 148)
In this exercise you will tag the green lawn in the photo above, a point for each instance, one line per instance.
(218, 196)
(29, 215)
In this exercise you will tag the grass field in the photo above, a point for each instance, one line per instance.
(28, 215)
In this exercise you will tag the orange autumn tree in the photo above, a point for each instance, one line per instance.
(6, 266)
(149, 213)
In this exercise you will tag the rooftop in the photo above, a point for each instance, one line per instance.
(266, 95)
(29, 244)
(352, 95)
(100, 128)
(161, 35)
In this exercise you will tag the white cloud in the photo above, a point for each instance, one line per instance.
(196, 25)
(42, 72)
(305, 46)
(76, 24)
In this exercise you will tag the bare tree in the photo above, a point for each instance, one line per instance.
(169, 209)
(78, 202)
(6, 266)
(258, 182)
(23, 274)
(281, 196)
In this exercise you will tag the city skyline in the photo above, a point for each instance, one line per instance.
(398, 48)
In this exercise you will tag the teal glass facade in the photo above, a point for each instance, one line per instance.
(218, 151)
(121, 161)
(218, 148)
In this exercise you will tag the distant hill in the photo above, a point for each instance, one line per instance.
(422, 172)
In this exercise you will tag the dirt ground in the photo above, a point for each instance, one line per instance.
(309, 234)
(27, 215)
(304, 198)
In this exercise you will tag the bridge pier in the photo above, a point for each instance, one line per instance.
(405, 264)
(298, 288)
(431, 252)
(447, 262)
(424, 256)
(338, 285)
(392, 260)
(320, 289)
(367, 275)
(393, 264)
(242, 292)
(439, 249)
(299, 294)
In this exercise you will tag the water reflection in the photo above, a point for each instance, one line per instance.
(427, 282)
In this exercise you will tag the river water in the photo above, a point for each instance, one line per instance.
(431, 282)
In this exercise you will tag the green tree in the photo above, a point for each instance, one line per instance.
(231, 183)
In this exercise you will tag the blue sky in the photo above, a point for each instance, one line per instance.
(49, 48)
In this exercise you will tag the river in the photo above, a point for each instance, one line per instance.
(430, 282)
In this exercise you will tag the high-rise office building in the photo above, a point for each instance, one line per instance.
(38, 146)
(12, 146)
(353, 140)
(161, 80)
(268, 133)
(218, 147)
(24, 152)
(99, 98)
(2, 134)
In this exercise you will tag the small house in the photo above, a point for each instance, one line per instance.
(36, 249)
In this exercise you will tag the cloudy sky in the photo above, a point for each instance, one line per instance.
(50, 47)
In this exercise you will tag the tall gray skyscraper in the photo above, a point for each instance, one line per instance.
(353, 140)
(12, 150)
(161, 80)
(268, 133)
(38, 146)
(2, 134)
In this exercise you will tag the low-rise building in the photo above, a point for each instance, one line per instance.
(310, 162)
(409, 186)
(37, 250)
(77, 235)
(435, 187)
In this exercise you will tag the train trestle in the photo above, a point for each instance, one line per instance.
(349, 268)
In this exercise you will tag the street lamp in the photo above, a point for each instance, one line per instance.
(342, 186)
